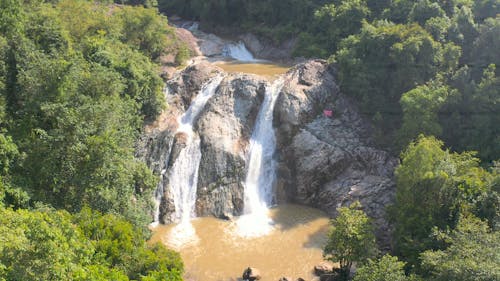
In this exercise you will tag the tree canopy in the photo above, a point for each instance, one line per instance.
(350, 239)
(78, 80)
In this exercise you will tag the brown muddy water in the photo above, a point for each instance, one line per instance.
(214, 249)
(268, 70)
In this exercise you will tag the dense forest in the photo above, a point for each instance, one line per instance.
(79, 79)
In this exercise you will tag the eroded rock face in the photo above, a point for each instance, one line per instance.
(225, 128)
(328, 162)
(324, 162)
(268, 50)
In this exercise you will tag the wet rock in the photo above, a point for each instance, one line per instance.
(251, 274)
(225, 127)
(329, 277)
(323, 268)
(183, 87)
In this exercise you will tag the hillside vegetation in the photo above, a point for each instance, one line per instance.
(78, 79)
(427, 66)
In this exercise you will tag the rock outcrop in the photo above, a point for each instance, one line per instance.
(323, 268)
(328, 162)
(225, 128)
(251, 274)
(324, 162)
(265, 49)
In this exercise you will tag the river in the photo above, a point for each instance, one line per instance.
(291, 248)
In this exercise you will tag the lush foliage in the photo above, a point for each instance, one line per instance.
(473, 254)
(394, 57)
(434, 188)
(78, 79)
(54, 245)
(351, 238)
(387, 268)
(276, 20)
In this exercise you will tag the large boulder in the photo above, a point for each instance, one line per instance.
(251, 274)
(265, 49)
(185, 85)
(323, 268)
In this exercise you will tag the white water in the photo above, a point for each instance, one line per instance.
(238, 51)
(183, 176)
(261, 173)
(159, 189)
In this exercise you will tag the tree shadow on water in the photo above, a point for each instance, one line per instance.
(288, 217)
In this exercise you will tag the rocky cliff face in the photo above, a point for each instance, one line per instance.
(224, 127)
(328, 162)
(325, 162)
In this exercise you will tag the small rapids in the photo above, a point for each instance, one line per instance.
(238, 51)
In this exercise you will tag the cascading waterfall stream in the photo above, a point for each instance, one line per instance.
(183, 176)
(184, 173)
(261, 173)
(238, 51)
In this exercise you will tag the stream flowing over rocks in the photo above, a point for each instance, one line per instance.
(323, 162)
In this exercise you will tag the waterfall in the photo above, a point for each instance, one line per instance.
(183, 176)
(261, 169)
(238, 51)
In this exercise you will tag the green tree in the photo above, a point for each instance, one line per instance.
(387, 268)
(484, 49)
(337, 21)
(472, 254)
(424, 10)
(123, 246)
(420, 111)
(350, 239)
(146, 30)
(434, 187)
(473, 114)
(11, 17)
(40, 246)
(384, 61)
(463, 32)
(44, 244)
(484, 9)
